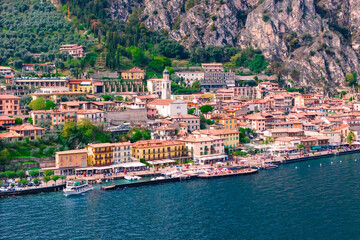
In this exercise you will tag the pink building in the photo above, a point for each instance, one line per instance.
(205, 149)
(9, 105)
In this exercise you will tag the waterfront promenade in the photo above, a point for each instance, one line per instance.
(253, 161)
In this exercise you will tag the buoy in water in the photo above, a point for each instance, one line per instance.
(295, 167)
(332, 163)
(308, 165)
(320, 164)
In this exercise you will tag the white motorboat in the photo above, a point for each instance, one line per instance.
(132, 178)
(77, 187)
(158, 178)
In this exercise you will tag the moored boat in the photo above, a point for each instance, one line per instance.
(132, 178)
(77, 187)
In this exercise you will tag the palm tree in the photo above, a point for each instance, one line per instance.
(300, 147)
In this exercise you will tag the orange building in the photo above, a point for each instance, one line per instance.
(72, 158)
(28, 130)
(9, 105)
(5, 121)
(55, 117)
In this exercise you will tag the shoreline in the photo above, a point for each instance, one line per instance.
(61, 186)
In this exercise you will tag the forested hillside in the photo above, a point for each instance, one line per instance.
(314, 43)
(28, 27)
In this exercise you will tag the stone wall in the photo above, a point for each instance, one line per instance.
(129, 115)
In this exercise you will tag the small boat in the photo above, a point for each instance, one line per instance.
(132, 178)
(77, 187)
(158, 178)
(270, 166)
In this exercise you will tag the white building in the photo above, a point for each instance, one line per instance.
(6, 71)
(122, 152)
(190, 77)
(167, 107)
(161, 87)
(94, 115)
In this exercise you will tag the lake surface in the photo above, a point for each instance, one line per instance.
(294, 201)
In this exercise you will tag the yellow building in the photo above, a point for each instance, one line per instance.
(72, 158)
(133, 74)
(100, 154)
(81, 85)
(231, 137)
(158, 149)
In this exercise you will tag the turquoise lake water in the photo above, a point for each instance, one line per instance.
(296, 201)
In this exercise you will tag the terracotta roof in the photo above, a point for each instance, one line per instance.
(25, 127)
(10, 135)
(4, 118)
(120, 144)
(161, 102)
(96, 145)
(216, 131)
(7, 96)
(133, 70)
(154, 143)
(72, 151)
(187, 116)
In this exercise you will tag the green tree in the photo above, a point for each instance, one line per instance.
(62, 177)
(4, 156)
(191, 110)
(351, 78)
(48, 151)
(196, 85)
(48, 172)
(36, 181)
(10, 174)
(25, 100)
(34, 173)
(350, 138)
(23, 181)
(38, 104)
(49, 105)
(18, 121)
(46, 179)
(20, 173)
(55, 178)
(35, 152)
(300, 146)
(206, 108)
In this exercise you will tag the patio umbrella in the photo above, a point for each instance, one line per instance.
(125, 171)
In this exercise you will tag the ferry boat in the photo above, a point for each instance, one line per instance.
(132, 178)
(77, 187)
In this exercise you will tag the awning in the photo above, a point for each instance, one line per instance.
(319, 147)
(132, 164)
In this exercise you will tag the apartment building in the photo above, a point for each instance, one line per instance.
(205, 149)
(9, 105)
(157, 149)
(71, 158)
(100, 154)
(192, 121)
(122, 152)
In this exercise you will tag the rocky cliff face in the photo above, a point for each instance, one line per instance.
(318, 41)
